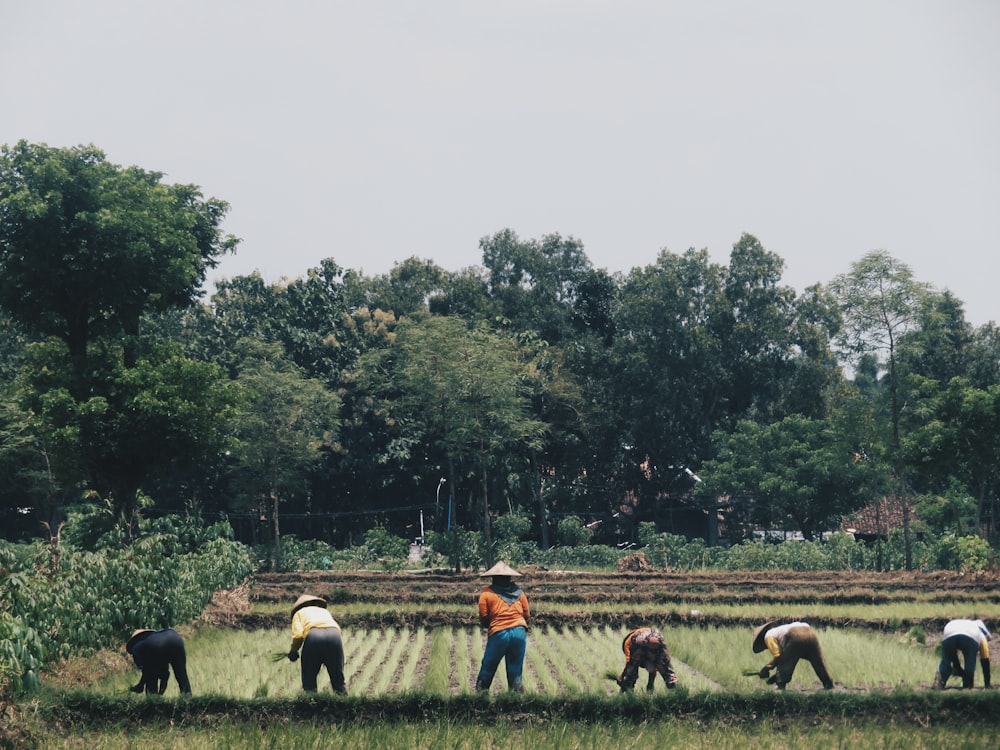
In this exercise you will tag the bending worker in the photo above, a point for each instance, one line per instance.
(968, 637)
(787, 644)
(644, 648)
(503, 611)
(318, 635)
(155, 652)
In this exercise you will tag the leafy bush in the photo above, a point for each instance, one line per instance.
(513, 527)
(585, 556)
(570, 532)
(965, 554)
(458, 546)
(382, 548)
(58, 601)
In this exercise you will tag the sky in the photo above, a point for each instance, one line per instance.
(371, 131)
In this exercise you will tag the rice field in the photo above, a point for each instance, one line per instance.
(560, 661)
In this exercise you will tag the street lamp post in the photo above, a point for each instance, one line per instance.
(437, 502)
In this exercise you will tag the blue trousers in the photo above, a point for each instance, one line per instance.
(509, 645)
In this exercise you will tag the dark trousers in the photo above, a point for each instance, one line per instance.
(323, 647)
(159, 652)
(800, 643)
(951, 647)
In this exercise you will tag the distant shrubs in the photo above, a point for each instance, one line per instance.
(512, 543)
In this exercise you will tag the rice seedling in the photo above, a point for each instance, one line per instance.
(436, 678)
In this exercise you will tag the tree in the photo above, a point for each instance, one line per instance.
(535, 282)
(880, 301)
(462, 388)
(86, 249)
(797, 471)
(287, 422)
(86, 246)
(959, 440)
(165, 414)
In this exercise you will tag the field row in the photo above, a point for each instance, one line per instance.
(560, 661)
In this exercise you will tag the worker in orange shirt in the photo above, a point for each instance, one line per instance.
(503, 611)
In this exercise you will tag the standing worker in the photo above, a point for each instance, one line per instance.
(644, 648)
(787, 644)
(503, 611)
(318, 635)
(155, 652)
(968, 637)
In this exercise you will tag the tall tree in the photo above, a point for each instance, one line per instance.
(87, 246)
(287, 422)
(796, 471)
(464, 389)
(86, 249)
(880, 302)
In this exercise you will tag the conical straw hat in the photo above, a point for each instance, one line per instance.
(500, 569)
(758, 636)
(137, 635)
(308, 600)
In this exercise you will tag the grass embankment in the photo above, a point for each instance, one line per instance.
(417, 692)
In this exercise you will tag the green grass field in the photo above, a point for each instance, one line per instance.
(411, 666)
(572, 661)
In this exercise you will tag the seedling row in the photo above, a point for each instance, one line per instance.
(560, 661)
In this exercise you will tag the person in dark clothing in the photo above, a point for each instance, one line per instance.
(644, 648)
(155, 652)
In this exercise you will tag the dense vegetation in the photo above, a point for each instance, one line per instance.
(533, 383)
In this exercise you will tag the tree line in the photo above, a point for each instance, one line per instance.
(710, 400)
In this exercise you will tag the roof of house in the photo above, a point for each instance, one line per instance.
(878, 518)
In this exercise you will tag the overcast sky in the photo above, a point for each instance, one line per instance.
(369, 132)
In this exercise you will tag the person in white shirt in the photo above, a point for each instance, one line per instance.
(970, 638)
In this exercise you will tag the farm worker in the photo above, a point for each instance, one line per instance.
(968, 637)
(318, 635)
(155, 652)
(644, 648)
(503, 611)
(787, 644)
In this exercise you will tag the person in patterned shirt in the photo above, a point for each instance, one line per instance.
(645, 649)
(504, 613)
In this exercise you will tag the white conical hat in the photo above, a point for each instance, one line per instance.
(500, 569)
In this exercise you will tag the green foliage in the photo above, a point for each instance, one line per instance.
(965, 554)
(460, 547)
(675, 551)
(302, 554)
(570, 532)
(512, 527)
(382, 548)
(59, 602)
(591, 556)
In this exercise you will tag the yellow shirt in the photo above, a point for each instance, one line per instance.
(308, 618)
